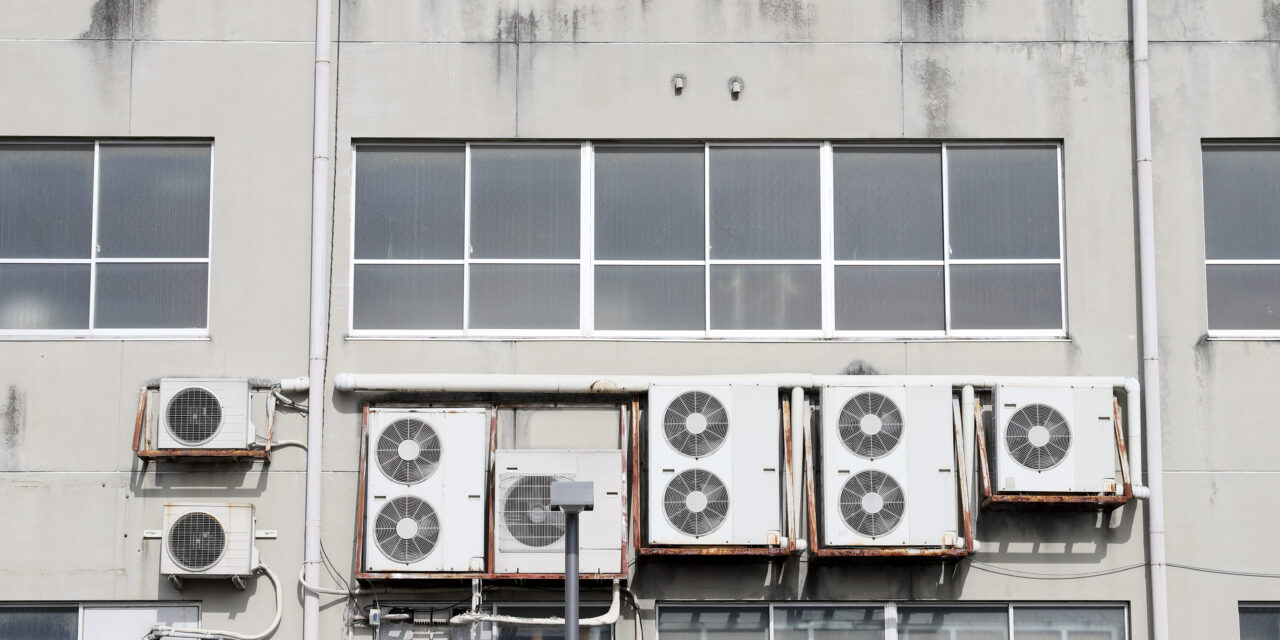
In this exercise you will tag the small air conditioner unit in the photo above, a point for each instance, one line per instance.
(204, 413)
(208, 541)
(425, 472)
(713, 466)
(529, 534)
(888, 467)
(1054, 439)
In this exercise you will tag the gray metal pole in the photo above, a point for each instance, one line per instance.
(571, 575)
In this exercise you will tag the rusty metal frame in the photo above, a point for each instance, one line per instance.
(926, 553)
(142, 444)
(724, 550)
(488, 573)
(995, 500)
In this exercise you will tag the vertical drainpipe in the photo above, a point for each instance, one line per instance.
(319, 320)
(1150, 335)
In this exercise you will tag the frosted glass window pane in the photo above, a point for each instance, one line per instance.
(524, 201)
(648, 298)
(888, 203)
(524, 296)
(764, 203)
(1018, 296)
(1241, 192)
(44, 296)
(407, 296)
(713, 623)
(940, 623)
(649, 203)
(1259, 623)
(153, 201)
(512, 632)
(46, 200)
(828, 623)
(131, 623)
(766, 297)
(151, 296)
(883, 298)
(39, 623)
(1244, 296)
(1003, 202)
(409, 202)
(1069, 623)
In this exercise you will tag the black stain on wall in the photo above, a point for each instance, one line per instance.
(110, 20)
(859, 367)
(937, 85)
(13, 423)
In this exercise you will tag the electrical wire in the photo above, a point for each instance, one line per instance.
(1035, 575)
(333, 569)
(165, 631)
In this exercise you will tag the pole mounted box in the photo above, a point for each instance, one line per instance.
(573, 496)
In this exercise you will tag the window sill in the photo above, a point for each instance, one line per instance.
(1243, 336)
(371, 337)
(103, 337)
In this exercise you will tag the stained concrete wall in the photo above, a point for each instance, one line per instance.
(549, 69)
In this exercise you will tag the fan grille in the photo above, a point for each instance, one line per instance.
(193, 415)
(196, 541)
(695, 424)
(407, 529)
(528, 521)
(1038, 437)
(696, 502)
(408, 451)
(870, 425)
(872, 503)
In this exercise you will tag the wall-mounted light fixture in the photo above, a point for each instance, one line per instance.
(677, 83)
(735, 87)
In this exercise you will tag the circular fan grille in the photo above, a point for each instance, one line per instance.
(695, 423)
(196, 541)
(407, 529)
(696, 502)
(194, 415)
(872, 503)
(870, 425)
(527, 512)
(1037, 437)
(408, 451)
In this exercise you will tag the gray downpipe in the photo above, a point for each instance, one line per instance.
(1150, 335)
(571, 574)
(319, 320)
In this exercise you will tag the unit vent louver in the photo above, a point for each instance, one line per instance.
(407, 529)
(408, 451)
(695, 424)
(194, 415)
(527, 514)
(196, 541)
(870, 425)
(1038, 437)
(696, 502)
(872, 503)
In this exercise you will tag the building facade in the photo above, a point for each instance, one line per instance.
(653, 189)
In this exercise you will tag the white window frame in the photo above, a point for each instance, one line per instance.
(826, 262)
(892, 609)
(93, 260)
(80, 608)
(1231, 334)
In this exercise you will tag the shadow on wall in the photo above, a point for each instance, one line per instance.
(217, 481)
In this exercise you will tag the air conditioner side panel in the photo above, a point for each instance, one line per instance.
(465, 471)
(755, 505)
(932, 500)
(1095, 460)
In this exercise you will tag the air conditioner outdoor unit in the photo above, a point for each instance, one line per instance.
(1054, 439)
(529, 534)
(713, 466)
(204, 413)
(888, 467)
(425, 472)
(208, 541)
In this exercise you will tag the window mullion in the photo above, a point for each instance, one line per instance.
(826, 185)
(586, 250)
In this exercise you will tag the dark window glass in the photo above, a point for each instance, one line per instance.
(153, 201)
(46, 200)
(409, 202)
(649, 203)
(764, 203)
(525, 201)
(1003, 201)
(39, 623)
(888, 203)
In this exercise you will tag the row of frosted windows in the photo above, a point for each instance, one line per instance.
(905, 622)
(701, 239)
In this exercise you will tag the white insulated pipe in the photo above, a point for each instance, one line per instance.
(1150, 328)
(799, 429)
(319, 320)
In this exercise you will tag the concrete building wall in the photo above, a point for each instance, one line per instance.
(240, 74)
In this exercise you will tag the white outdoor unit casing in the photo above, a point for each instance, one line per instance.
(208, 540)
(204, 413)
(888, 467)
(713, 466)
(425, 472)
(1054, 439)
(529, 535)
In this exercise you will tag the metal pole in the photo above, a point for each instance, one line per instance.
(571, 575)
